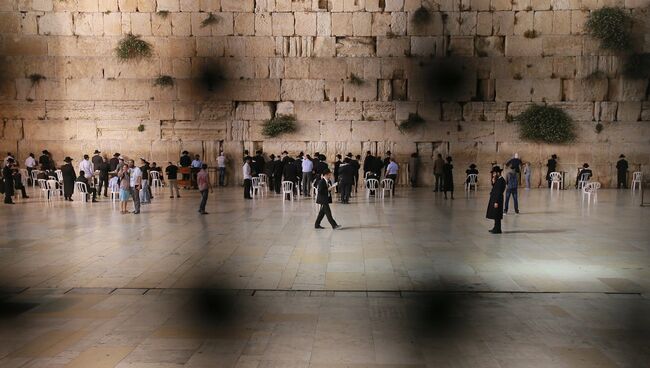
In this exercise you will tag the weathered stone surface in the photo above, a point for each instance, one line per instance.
(355, 46)
(374, 111)
(302, 90)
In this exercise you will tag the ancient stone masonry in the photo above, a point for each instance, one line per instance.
(349, 70)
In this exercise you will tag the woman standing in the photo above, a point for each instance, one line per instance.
(69, 177)
(448, 178)
(125, 188)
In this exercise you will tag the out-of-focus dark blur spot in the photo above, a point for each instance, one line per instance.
(439, 314)
(213, 304)
(211, 77)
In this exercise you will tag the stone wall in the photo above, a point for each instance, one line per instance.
(298, 57)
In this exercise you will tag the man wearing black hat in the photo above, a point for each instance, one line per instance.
(185, 162)
(346, 174)
(356, 164)
(96, 159)
(114, 161)
(495, 205)
(69, 176)
(621, 171)
(7, 176)
(551, 165)
(584, 174)
(46, 161)
(324, 198)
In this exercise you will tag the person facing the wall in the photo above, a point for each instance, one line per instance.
(448, 178)
(437, 172)
(221, 168)
(172, 179)
(414, 167)
(248, 177)
(391, 172)
(511, 190)
(551, 165)
(621, 172)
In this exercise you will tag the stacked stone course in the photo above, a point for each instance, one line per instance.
(297, 57)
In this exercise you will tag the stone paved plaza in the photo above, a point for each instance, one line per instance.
(412, 281)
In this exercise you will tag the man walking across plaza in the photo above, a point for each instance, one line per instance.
(324, 198)
(203, 183)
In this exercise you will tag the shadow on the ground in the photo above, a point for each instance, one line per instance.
(546, 231)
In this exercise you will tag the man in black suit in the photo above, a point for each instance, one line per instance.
(290, 173)
(97, 159)
(346, 174)
(621, 172)
(355, 163)
(367, 162)
(89, 190)
(324, 198)
(495, 206)
(113, 162)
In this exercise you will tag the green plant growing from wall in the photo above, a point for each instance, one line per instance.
(421, 16)
(356, 80)
(599, 128)
(133, 47)
(164, 81)
(612, 27)
(281, 124)
(210, 20)
(413, 121)
(163, 13)
(36, 78)
(141, 128)
(595, 75)
(545, 124)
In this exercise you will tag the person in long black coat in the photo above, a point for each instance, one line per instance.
(346, 176)
(278, 169)
(8, 177)
(69, 177)
(448, 178)
(495, 205)
(621, 172)
(551, 165)
(290, 173)
(324, 198)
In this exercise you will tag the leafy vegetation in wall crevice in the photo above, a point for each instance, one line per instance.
(279, 125)
(164, 81)
(612, 27)
(210, 20)
(133, 47)
(36, 78)
(545, 124)
(356, 80)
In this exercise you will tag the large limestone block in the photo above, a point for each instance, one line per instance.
(11, 130)
(452, 111)
(629, 111)
(141, 24)
(579, 111)
(297, 68)
(327, 68)
(161, 26)
(342, 24)
(522, 46)
(252, 110)
(391, 47)
(237, 5)
(302, 90)
(181, 24)
(305, 24)
(430, 111)
(587, 89)
(432, 28)
(399, 23)
(381, 24)
(9, 23)
(503, 23)
(562, 45)
(355, 47)
(324, 111)
(348, 111)
(461, 46)
(59, 24)
(250, 90)
(368, 130)
(484, 23)
(324, 46)
(547, 90)
(24, 46)
(323, 24)
(514, 90)
(50, 129)
(427, 46)
(194, 130)
(523, 22)
(373, 111)
(216, 111)
(403, 109)
(367, 91)
(489, 46)
(362, 24)
(263, 24)
(335, 131)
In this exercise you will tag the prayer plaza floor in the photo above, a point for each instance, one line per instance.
(410, 281)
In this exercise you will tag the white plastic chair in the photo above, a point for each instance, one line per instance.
(114, 188)
(54, 192)
(556, 178)
(584, 180)
(43, 189)
(590, 188)
(81, 191)
(59, 176)
(155, 181)
(637, 176)
(472, 180)
(314, 189)
(264, 182)
(35, 177)
(287, 188)
(255, 188)
(387, 185)
(371, 185)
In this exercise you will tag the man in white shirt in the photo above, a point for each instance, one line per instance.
(221, 166)
(30, 165)
(135, 175)
(391, 172)
(307, 169)
(195, 167)
(248, 178)
(87, 167)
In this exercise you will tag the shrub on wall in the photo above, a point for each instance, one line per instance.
(133, 47)
(414, 120)
(545, 124)
(612, 27)
(281, 124)
(164, 81)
